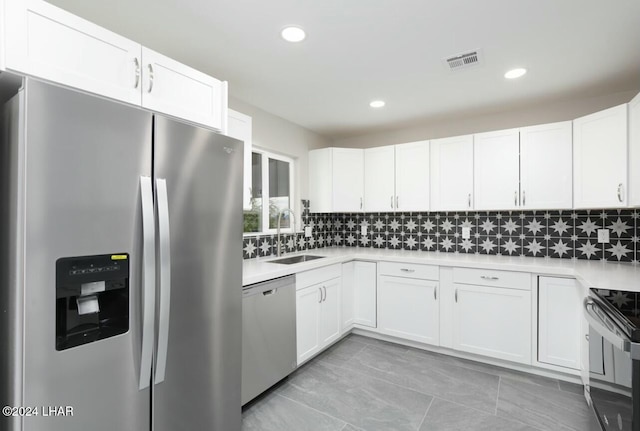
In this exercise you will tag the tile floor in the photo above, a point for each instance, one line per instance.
(362, 384)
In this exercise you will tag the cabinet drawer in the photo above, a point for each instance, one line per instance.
(315, 276)
(488, 277)
(409, 270)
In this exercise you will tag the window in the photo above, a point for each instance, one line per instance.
(271, 192)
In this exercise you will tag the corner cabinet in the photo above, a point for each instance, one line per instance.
(452, 174)
(336, 180)
(46, 42)
(600, 159)
(318, 310)
(492, 314)
(634, 152)
(358, 295)
(239, 126)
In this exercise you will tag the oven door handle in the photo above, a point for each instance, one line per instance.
(618, 340)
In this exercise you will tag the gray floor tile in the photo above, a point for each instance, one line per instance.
(544, 408)
(342, 351)
(357, 398)
(349, 427)
(571, 387)
(379, 343)
(276, 413)
(428, 375)
(492, 369)
(447, 416)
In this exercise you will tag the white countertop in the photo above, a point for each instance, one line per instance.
(603, 275)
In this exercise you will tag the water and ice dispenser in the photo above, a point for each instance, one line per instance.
(92, 298)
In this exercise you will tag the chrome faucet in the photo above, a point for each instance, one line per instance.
(293, 219)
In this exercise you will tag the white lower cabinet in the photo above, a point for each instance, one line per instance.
(317, 317)
(559, 322)
(358, 295)
(492, 321)
(408, 308)
(308, 322)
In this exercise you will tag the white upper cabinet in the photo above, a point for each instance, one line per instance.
(178, 90)
(634, 151)
(336, 180)
(412, 176)
(600, 159)
(545, 166)
(497, 170)
(239, 126)
(452, 174)
(47, 42)
(379, 179)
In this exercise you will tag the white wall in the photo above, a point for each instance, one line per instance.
(463, 125)
(278, 135)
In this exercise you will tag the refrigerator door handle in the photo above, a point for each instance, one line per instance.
(164, 271)
(148, 281)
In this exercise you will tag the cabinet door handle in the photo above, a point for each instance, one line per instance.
(320, 290)
(469, 200)
(325, 293)
(360, 203)
(524, 198)
(515, 198)
(137, 72)
(456, 295)
(435, 293)
(407, 270)
(150, 66)
(391, 203)
(620, 192)
(397, 202)
(487, 277)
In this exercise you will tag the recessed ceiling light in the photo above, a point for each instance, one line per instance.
(293, 34)
(377, 104)
(515, 73)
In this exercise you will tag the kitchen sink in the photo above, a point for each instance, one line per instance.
(296, 259)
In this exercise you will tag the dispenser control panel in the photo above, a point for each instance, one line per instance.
(92, 298)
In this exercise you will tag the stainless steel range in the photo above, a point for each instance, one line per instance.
(614, 358)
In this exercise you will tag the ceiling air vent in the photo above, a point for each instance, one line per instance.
(462, 61)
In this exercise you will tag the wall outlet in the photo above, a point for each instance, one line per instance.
(363, 230)
(466, 232)
(603, 236)
(308, 231)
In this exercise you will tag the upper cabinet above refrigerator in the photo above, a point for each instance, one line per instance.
(44, 41)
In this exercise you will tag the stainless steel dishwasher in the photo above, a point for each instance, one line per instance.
(268, 335)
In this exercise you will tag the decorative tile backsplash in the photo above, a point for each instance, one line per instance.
(567, 234)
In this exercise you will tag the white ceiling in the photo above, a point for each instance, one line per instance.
(360, 50)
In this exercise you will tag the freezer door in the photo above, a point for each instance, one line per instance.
(84, 160)
(200, 386)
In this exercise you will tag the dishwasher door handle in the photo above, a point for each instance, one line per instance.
(270, 292)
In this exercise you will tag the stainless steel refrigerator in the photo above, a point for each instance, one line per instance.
(121, 267)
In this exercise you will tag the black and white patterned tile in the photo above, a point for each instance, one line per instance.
(551, 234)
